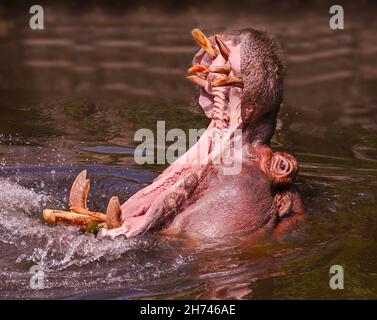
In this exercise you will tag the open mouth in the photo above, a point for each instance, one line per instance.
(224, 79)
(217, 71)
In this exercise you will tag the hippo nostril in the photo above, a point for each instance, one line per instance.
(283, 165)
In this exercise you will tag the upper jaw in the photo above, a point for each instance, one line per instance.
(216, 69)
(223, 76)
(252, 75)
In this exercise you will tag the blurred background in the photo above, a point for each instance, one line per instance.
(99, 70)
(74, 94)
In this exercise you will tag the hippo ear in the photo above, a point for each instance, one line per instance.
(289, 203)
(290, 210)
(283, 203)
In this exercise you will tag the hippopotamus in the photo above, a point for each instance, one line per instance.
(210, 192)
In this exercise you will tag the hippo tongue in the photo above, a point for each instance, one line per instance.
(206, 102)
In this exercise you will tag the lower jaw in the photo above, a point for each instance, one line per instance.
(198, 160)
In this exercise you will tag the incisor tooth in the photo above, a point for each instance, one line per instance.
(220, 69)
(197, 80)
(198, 68)
(65, 217)
(96, 215)
(228, 81)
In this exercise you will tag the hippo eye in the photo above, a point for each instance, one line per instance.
(283, 168)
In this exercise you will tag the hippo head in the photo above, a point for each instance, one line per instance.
(249, 65)
(240, 75)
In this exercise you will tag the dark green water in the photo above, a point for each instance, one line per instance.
(72, 96)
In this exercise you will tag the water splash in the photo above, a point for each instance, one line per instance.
(74, 262)
(55, 248)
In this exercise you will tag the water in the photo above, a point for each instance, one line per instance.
(72, 97)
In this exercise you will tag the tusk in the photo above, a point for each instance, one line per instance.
(197, 80)
(220, 69)
(228, 81)
(65, 217)
(113, 213)
(79, 191)
(203, 41)
(215, 69)
(97, 215)
(198, 68)
(224, 50)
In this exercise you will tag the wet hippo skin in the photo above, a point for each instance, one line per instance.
(240, 77)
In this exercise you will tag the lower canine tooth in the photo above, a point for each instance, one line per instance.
(224, 50)
(203, 41)
(79, 191)
(113, 213)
